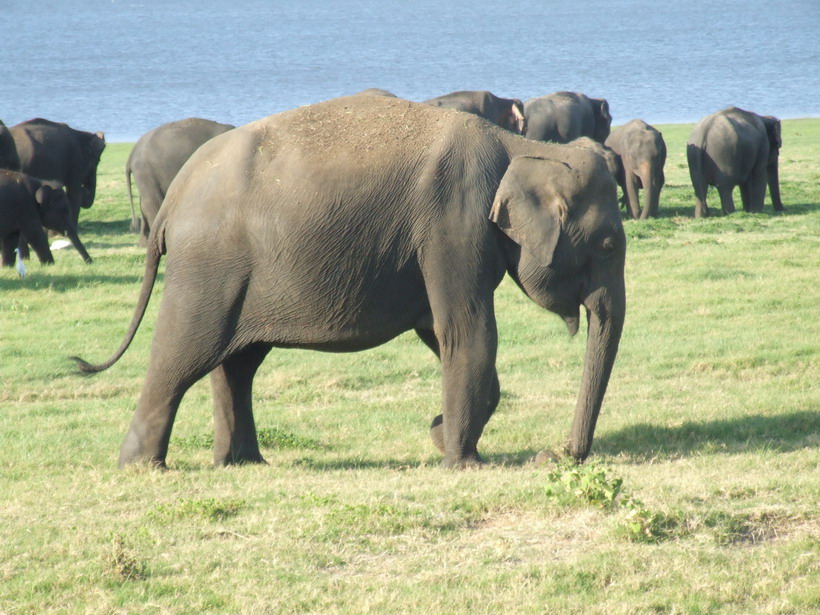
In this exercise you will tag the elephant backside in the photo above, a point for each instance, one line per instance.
(562, 117)
(155, 160)
(55, 151)
(735, 147)
(505, 112)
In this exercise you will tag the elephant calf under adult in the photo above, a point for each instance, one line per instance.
(562, 117)
(505, 112)
(642, 152)
(155, 160)
(340, 225)
(734, 147)
(26, 206)
(56, 152)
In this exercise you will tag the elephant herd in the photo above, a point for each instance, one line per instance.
(341, 225)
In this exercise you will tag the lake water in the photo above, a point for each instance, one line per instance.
(126, 66)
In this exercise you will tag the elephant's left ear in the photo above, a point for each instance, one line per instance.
(528, 209)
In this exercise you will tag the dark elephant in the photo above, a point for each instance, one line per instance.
(376, 92)
(309, 229)
(732, 148)
(155, 160)
(642, 152)
(8, 151)
(564, 116)
(26, 206)
(505, 112)
(52, 151)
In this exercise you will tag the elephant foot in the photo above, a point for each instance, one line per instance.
(470, 462)
(437, 432)
(234, 460)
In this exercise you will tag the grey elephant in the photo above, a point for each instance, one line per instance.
(505, 112)
(347, 239)
(8, 151)
(155, 160)
(54, 151)
(734, 147)
(612, 160)
(642, 152)
(26, 206)
(562, 117)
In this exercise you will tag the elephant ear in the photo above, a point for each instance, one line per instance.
(528, 208)
(773, 130)
(44, 194)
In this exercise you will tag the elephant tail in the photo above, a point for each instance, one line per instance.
(152, 258)
(135, 224)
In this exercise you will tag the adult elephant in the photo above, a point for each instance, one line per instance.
(505, 112)
(26, 206)
(155, 160)
(309, 229)
(642, 152)
(734, 147)
(562, 117)
(54, 151)
(8, 151)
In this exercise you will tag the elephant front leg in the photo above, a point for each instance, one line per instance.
(235, 439)
(469, 376)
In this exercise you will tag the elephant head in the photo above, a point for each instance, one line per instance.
(569, 251)
(55, 215)
(603, 118)
(92, 151)
(512, 116)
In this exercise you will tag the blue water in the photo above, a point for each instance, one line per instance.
(126, 66)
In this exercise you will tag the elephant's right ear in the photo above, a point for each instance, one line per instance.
(528, 209)
(43, 194)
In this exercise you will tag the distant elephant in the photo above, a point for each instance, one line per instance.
(155, 160)
(505, 112)
(732, 148)
(309, 229)
(52, 151)
(376, 92)
(642, 152)
(564, 116)
(26, 206)
(8, 151)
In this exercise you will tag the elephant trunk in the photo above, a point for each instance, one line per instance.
(72, 235)
(774, 185)
(89, 190)
(606, 308)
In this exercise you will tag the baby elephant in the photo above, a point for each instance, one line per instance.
(26, 206)
(732, 148)
(642, 153)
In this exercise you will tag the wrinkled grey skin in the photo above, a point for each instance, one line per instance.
(8, 151)
(311, 229)
(376, 92)
(505, 112)
(642, 152)
(155, 160)
(564, 116)
(612, 160)
(53, 151)
(26, 206)
(732, 148)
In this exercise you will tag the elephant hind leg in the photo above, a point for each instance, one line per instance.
(235, 440)
(726, 200)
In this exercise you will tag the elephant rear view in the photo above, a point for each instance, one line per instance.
(155, 160)
(734, 147)
(55, 151)
(505, 112)
(341, 225)
(565, 116)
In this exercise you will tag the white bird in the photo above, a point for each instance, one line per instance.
(20, 266)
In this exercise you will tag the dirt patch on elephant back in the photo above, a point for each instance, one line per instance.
(358, 125)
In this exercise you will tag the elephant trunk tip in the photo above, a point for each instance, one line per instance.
(572, 324)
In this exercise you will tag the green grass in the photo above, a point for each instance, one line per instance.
(701, 496)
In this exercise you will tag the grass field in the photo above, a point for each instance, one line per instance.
(702, 494)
